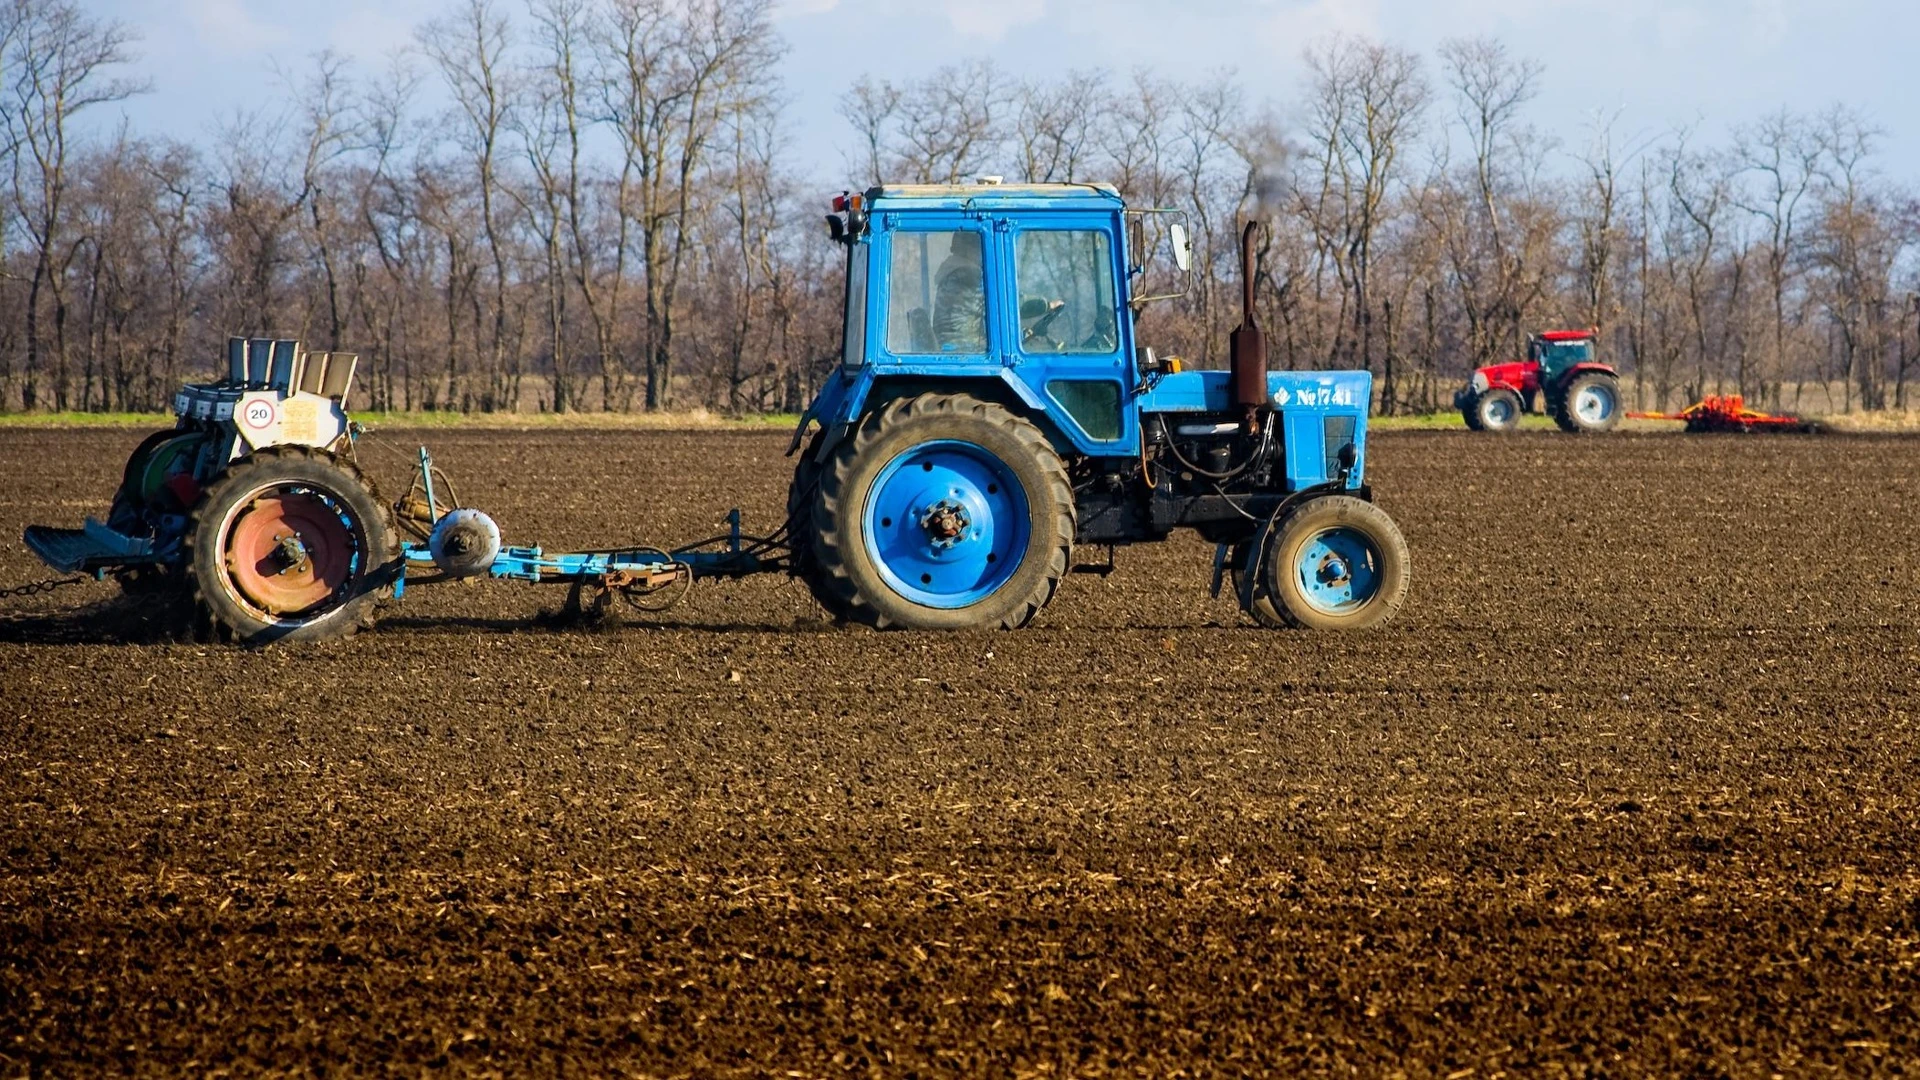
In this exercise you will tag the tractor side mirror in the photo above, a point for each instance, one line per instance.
(1182, 254)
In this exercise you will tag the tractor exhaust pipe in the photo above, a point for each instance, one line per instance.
(1246, 345)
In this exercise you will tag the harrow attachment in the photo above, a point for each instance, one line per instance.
(459, 543)
(1729, 413)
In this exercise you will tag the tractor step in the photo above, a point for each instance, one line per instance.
(90, 548)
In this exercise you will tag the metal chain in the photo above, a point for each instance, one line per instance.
(37, 587)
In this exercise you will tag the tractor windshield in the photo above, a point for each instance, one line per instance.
(1561, 355)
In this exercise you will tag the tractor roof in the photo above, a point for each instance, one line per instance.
(965, 195)
(1565, 335)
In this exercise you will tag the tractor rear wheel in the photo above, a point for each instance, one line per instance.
(1588, 404)
(943, 512)
(1496, 410)
(289, 544)
(1332, 563)
(803, 495)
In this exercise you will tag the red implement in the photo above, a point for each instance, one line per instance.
(1729, 413)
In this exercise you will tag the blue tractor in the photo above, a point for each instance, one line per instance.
(990, 413)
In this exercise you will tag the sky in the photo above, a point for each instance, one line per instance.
(1659, 64)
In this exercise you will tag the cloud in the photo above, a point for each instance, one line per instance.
(368, 32)
(991, 18)
(229, 26)
(785, 9)
(1294, 26)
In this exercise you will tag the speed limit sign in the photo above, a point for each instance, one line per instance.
(257, 414)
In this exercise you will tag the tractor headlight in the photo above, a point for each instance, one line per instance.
(1479, 382)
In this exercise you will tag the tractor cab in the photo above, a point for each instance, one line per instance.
(1022, 287)
(1560, 351)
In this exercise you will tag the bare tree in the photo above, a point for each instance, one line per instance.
(1056, 124)
(1598, 221)
(1490, 247)
(1782, 157)
(870, 107)
(676, 64)
(56, 58)
(469, 48)
(1365, 103)
(1857, 250)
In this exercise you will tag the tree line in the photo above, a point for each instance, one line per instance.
(573, 205)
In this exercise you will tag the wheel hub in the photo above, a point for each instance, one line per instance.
(1594, 405)
(1338, 570)
(946, 523)
(288, 552)
(1334, 571)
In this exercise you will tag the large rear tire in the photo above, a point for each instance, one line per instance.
(942, 512)
(1332, 563)
(1589, 404)
(289, 544)
(803, 496)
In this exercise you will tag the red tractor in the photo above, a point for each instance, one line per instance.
(1559, 373)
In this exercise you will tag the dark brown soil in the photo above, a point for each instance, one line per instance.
(1631, 787)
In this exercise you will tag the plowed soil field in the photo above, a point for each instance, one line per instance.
(1630, 788)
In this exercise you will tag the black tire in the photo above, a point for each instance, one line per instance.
(1588, 405)
(803, 495)
(1472, 417)
(355, 548)
(847, 574)
(1278, 600)
(1497, 410)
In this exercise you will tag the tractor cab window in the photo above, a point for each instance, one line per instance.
(1065, 283)
(853, 342)
(938, 293)
(1560, 355)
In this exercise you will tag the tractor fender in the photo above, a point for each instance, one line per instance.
(840, 413)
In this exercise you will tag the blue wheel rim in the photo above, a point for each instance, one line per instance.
(1338, 570)
(946, 524)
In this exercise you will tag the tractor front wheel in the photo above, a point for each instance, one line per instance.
(1589, 404)
(941, 512)
(289, 544)
(1496, 410)
(1333, 563)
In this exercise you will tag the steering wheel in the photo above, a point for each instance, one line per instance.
(1040, 328)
